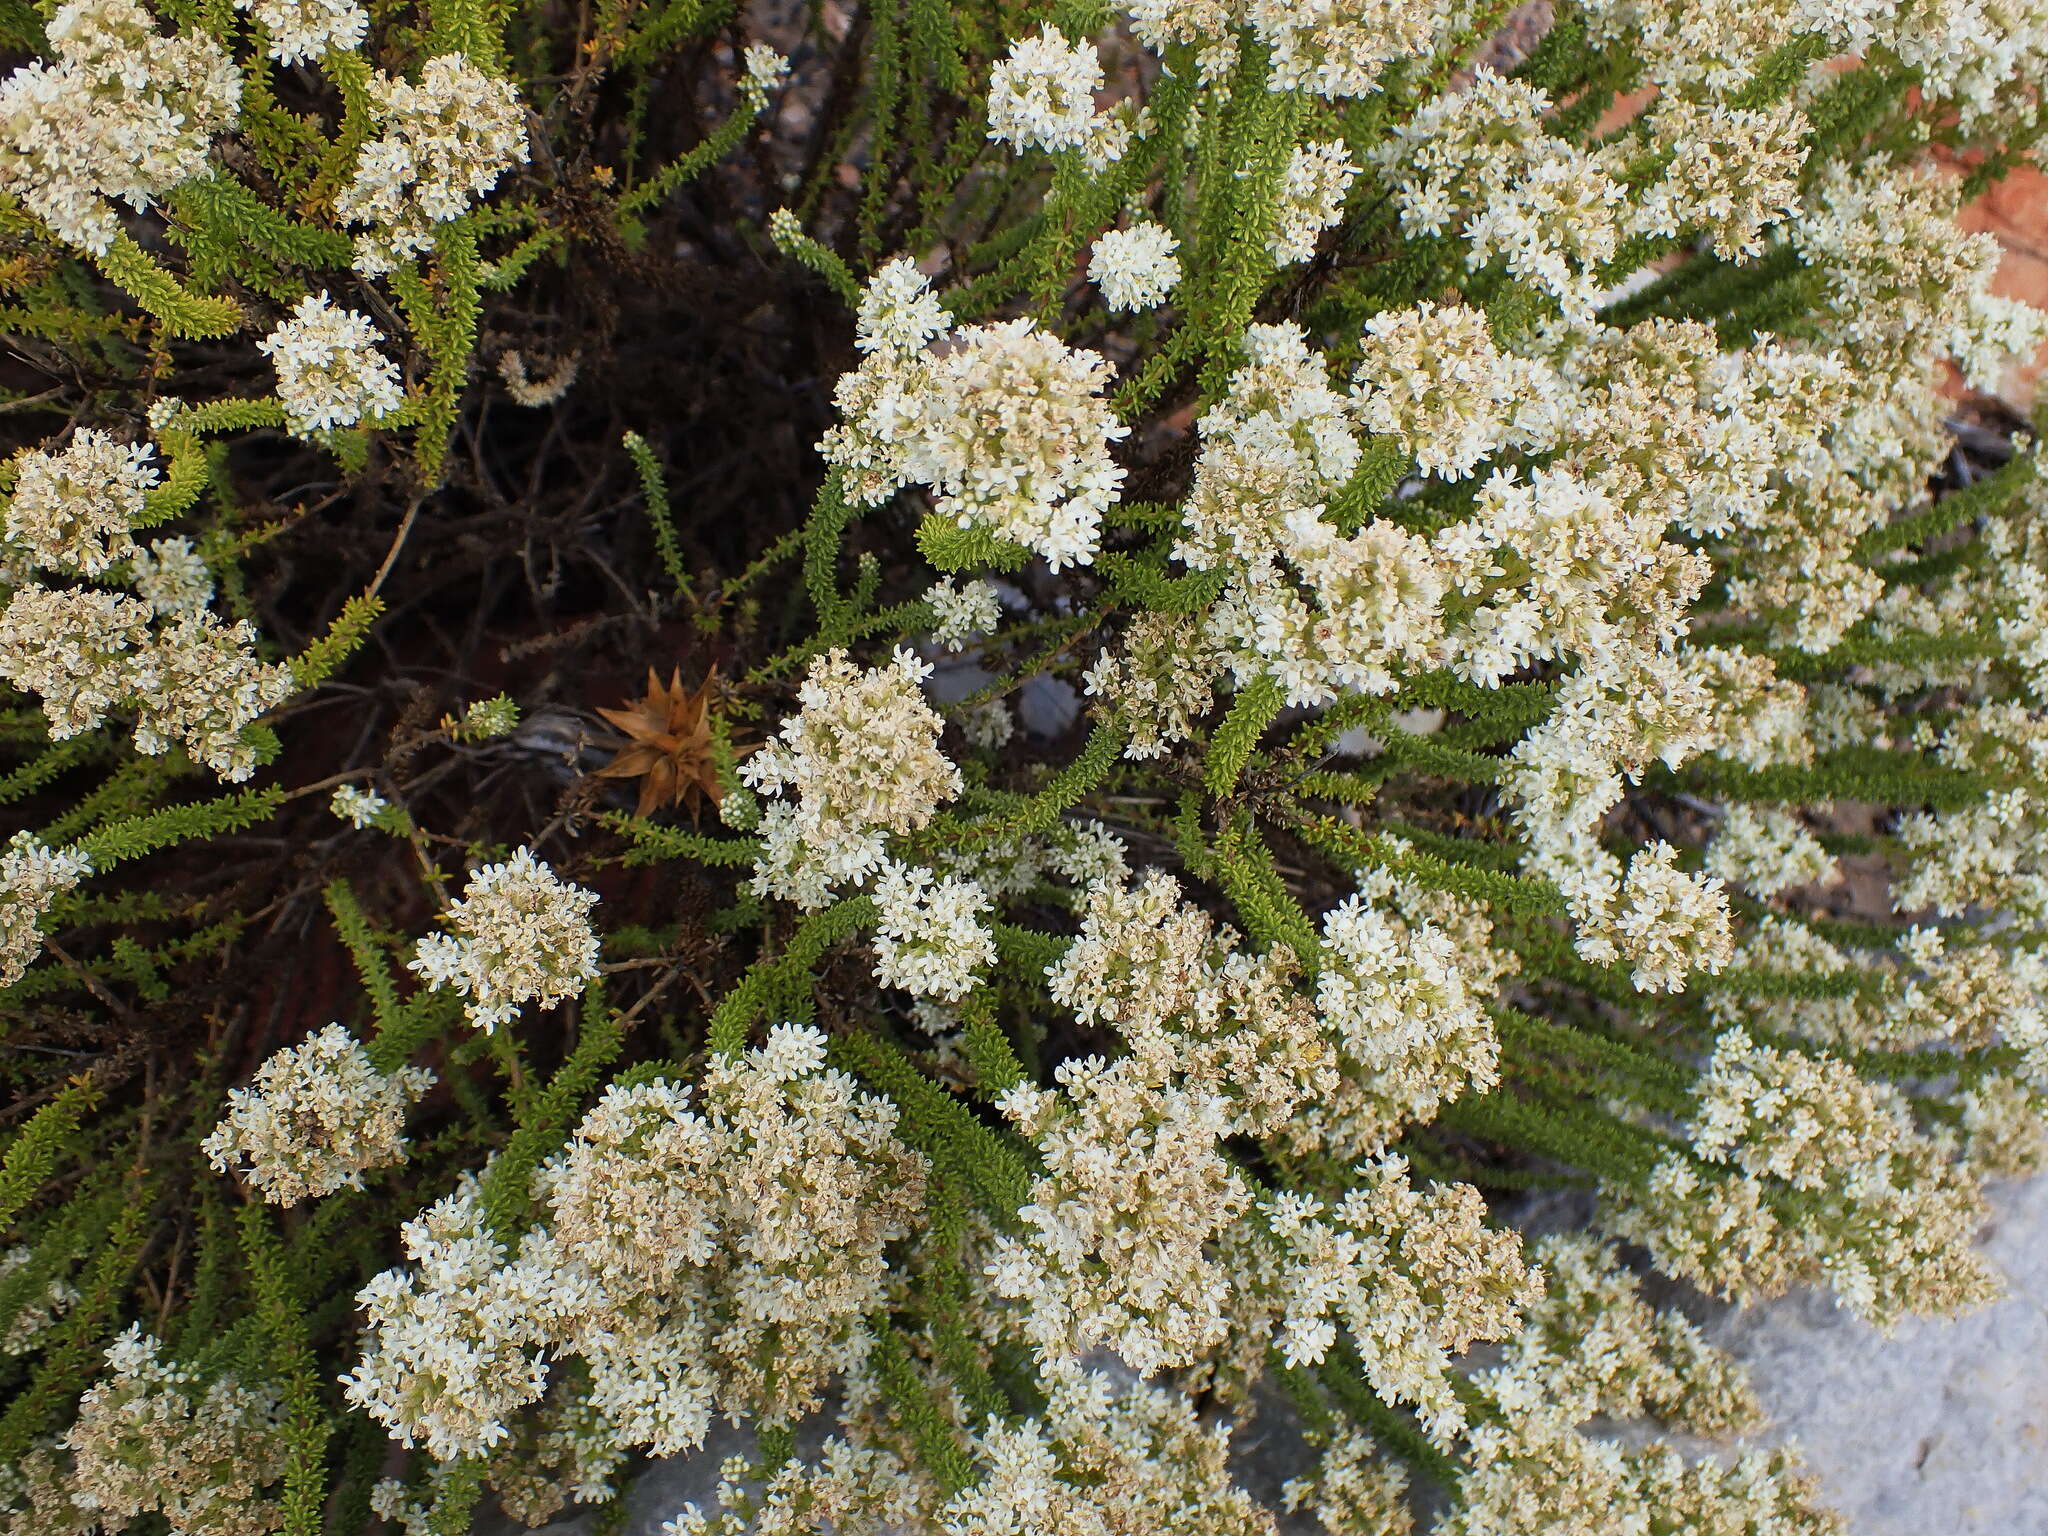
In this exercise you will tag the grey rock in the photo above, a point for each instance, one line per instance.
(1940, 1429)
(1047, 705)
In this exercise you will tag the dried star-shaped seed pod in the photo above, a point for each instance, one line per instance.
(670, 749)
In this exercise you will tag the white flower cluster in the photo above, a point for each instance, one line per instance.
(1041, 95)
(762, 71)
(1480, 162)
(1105, 1457)
(198, 685)
(1415, 1278)
(1003, 421)
(33, 1317)
(1883, 1215)
(125, 112)
(1135, 268)
(1331, 48)
(520, 934)
(1311, 199)
(329, 371)
(963, 612)
(172, 577)
(453, 1347)
(930, 940)
(358, 807)
(1317, 610)
(79, 649)
(189, 679)
(1432, 377)
(1118, 1235)
(73, 510)
(195, 682)
(31, 877)
(1402, 1000)
(724, 1258)
(1158, 684)
(151, 1439)
(444, 144)
(317, 1117)
(301, 31)
(1733, 174)
(861, 758)
(1768, 851)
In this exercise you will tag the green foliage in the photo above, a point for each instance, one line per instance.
(950, 547)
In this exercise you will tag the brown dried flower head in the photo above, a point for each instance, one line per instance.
(670, 747)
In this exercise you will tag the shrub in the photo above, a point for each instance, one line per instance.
(1287, 621)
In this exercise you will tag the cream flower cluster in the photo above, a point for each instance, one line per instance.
(1356, 1490)
(189, 679)
(849, 1491)
(1158, 684)
(1102, 1459)
(963, 612)
(1192, 1007)
(1901, 276)
(329, 371)
(72, 510)
(123, 113)
(1135, 268)
(733, 1251)
(194, 683)
(1041, 95)
(1278, 444)
(1003, 421)
(930, 941)
(1591, 1344)
(1972, 56)
(152, 1439)
(1883, 1215)
(31, 877)
(1338, 48)
(1402, 999)
(520, 934)
(693, 1259)
(1313, 187)
(857, 763)
(1733, 174)
(1116, 1235)
(32, 1318)
(1532, 1475)
(316, 1118)
(79, 649)
(302, 30)
(1415, 1278)
(443, 144)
